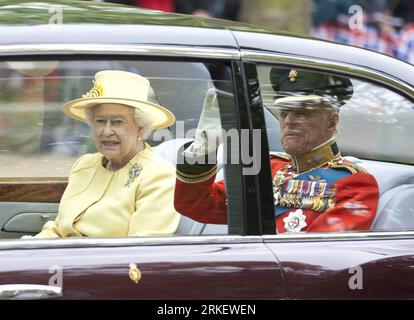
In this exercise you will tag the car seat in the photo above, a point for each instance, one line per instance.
(395, 210)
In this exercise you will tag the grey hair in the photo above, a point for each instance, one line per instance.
(142, 119)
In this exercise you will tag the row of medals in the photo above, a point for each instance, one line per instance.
(294, 199)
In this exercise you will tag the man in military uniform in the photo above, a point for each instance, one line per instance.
(314, 188)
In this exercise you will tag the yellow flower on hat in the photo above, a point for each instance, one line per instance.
(96, 91)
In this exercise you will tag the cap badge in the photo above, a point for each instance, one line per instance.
(96, 91)
(292, 75)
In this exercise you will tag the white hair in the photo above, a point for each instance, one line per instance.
(141, 118)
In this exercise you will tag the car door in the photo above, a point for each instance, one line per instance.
(187, 265)
(203, 267)
(373, 133)
(371, 265)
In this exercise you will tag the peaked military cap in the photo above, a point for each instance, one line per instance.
(299, 87)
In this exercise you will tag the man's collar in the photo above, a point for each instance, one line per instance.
(318, 156)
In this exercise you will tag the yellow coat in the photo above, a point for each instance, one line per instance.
(99, 203)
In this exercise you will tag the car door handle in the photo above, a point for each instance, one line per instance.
(29, 292)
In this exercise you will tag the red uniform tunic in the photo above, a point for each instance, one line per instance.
(338, 196)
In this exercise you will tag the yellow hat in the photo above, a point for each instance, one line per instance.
(121, 87)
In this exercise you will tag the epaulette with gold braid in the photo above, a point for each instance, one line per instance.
(282, 155)
(352, 167)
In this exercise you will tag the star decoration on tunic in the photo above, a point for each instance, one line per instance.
(133, 174)
(295, 222)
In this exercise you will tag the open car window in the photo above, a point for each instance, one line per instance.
(39, 144)
(374, 132)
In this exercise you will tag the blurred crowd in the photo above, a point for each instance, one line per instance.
(386, 26)
(222, 9)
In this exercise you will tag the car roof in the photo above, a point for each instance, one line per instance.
(34, 22)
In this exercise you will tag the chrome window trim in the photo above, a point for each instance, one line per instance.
(124, 242)
(286, 238)
(150, 50)
(328, 65)
(337, 236)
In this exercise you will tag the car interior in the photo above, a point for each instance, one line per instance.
(395, 211)
(63, 140)
(390, 162)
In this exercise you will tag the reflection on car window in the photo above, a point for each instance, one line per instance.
(359, 178)
(34, 129)
(382, 118)
(39, 143)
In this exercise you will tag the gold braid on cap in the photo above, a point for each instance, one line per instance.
(96, 91)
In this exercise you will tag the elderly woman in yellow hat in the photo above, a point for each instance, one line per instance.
(124, 189)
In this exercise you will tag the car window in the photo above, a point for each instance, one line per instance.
(39, 144)
(373, 133)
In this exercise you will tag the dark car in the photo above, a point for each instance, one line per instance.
(50, 52)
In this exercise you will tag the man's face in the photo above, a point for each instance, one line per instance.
(302, 129)
(115, 132)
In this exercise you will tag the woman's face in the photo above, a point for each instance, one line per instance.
(115, 132)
